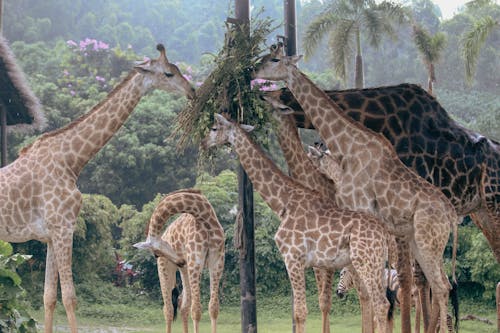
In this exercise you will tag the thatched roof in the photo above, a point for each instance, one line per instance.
(23, 108)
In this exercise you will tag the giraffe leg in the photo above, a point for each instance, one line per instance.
(297, 279)
(63, 252)
(50, 288)
(185, 299)
(324, 279)
(418, 311)
(216, 267)
(166, 275)
(423, 294)
(366, 308)
(194, 273)
(405, 282)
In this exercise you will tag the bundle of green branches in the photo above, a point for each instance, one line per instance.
(227, 89)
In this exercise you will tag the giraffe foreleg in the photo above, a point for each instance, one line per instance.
(324, 279)
(194, 273)
(297, 279)
(185, 303)
(50, 288)
(405, 282)
(166, 275)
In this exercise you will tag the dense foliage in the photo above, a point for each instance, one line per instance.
(74, 52)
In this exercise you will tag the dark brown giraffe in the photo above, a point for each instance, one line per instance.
(465, 165)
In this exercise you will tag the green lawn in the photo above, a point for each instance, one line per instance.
(149, 319)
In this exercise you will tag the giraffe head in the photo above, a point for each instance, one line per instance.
(161, 74)
(222, 132)
(278, 107)
(275, 65)
(325, 163)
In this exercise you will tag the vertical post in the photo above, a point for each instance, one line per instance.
(290, 27)
(3, 134)
(3, 111)
(498, 306)
(245, 188)
(291, 49)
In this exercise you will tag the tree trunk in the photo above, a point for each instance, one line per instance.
(358, 73)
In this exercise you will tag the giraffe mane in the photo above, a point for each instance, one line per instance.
(75, 122)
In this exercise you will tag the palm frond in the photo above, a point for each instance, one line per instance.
(473, 40)
(317, 30)
(430, 47)
(372, 24)
(341, 42)
(396, 13)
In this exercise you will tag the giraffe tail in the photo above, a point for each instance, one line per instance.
(391, 297)
(161, 248)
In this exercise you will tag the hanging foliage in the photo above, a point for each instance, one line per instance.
(227, 89)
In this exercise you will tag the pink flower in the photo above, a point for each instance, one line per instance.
(65, 72)
(263, 85)
(72, 92)
(188, 77)
(100, 78)
(71, 43)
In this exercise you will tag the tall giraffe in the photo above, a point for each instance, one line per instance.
(198, 237)
(375, 181)
(39, 198)
(465, 165)
(313, 231)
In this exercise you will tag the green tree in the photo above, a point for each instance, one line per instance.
(474, 39)
(346, 21)
(430, 49)
(13, 314)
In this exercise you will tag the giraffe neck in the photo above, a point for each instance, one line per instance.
(273, 186)
(79, 141)
(299, 165)
(340, 133)
(188, 202)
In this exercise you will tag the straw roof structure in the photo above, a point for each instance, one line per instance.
(23, 109)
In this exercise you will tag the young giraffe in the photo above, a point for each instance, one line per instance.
(196, 236)
(313, 232)
(299, 168)
(375, 181)
(39, 198)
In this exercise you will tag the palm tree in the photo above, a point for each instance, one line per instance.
(345, 21)
(430, 48)
(472, 41)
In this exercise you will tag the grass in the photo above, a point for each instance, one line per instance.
(273, 316)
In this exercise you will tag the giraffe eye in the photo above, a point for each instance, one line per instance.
(214, 129)
(275, 60)
(168, 74)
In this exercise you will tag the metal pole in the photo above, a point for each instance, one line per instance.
(245, 188)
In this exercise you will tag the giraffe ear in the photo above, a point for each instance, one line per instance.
(247, 128)
(220, 119)
(295, 59)
(314, 152)
(277, 105)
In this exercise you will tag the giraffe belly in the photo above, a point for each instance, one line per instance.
(13, 232)
(330, 259)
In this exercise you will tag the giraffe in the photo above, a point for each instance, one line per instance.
(299, 168)
(313, 232)
(465, 165)
(375, 181)
(40, 199)
(197, 236)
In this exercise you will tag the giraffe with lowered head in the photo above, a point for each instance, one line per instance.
(375, 181)
(313, 231)
(40, 199)
(197, 237)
